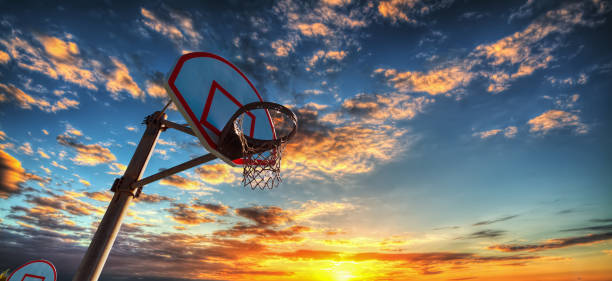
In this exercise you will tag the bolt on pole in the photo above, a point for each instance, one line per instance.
(94, 259)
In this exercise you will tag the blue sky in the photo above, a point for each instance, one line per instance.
(476, 130)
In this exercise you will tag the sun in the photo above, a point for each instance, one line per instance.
(343, 275)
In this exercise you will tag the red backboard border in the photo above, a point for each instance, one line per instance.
(30, 262)
(188, 110)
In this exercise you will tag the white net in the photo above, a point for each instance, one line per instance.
(261, 164)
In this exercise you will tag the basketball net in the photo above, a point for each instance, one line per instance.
(260, 169)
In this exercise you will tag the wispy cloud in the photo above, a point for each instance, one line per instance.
(26, 101)
(87, 154)
(409, 10)
(554, 243)
(487, 222)
(178, 27)
(184, 214)
(555, 119)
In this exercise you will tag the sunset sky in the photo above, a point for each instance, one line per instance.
(438, 140)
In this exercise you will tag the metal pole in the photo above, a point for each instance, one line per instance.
(104, 238)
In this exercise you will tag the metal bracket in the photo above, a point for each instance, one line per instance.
(169, 124)
(171, 171)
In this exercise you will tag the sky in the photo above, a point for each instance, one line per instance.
(437, 140)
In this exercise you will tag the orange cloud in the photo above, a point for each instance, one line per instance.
(326, 55)
(433, 82)
(87, 154)
(65, 60)
(120, 80)
(155, 90)
(26, 101)
(217, 209)
(218, 173)
(4, 57)
(381, 108)
(315, 29)
(554, 119)
(282, 48)
(12, 175)
(508, 132)
(181, 182)
(349, 149)
(554, 243)
(99, 196)
(311, 209)
(393, 10)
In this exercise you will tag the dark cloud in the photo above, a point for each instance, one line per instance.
(494, 221)
(606, 227)
(270, 215)
(487, 233)
(424, 263)
(601, 220)
(265, 233)
(64, 202)
(218, 209)
(13, 176)
(153, 198)
(554, 243)
(43, 217)
(183, 214)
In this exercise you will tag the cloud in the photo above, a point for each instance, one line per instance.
(502, 61)
(352, 148)
(264, 233)
(4, 57)
(335, 28)
(99, 196)
(592, 228)
(26, 148)
(555, 119)
(322, 56)
(182, 214)
(45, 217)
(218, 173)
(87, 154)
(153, 198)
(433, 82)
(84, 182)
(312, 209)
(264, 215)
(217, 209)
(13, 175)
(487, 233)
(408, 10)
(26, 101)
(282, 48)
(554, 243)
(181, 182)
(487, 222)
(120, 80)
(116, 169)
(508, 132)
(314, 29)
(528, 49)
(43, 154)
(178, 28)
(380, 108)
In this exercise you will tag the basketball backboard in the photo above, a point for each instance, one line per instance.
(207, 89)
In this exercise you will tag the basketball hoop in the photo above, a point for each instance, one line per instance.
(260, 158)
